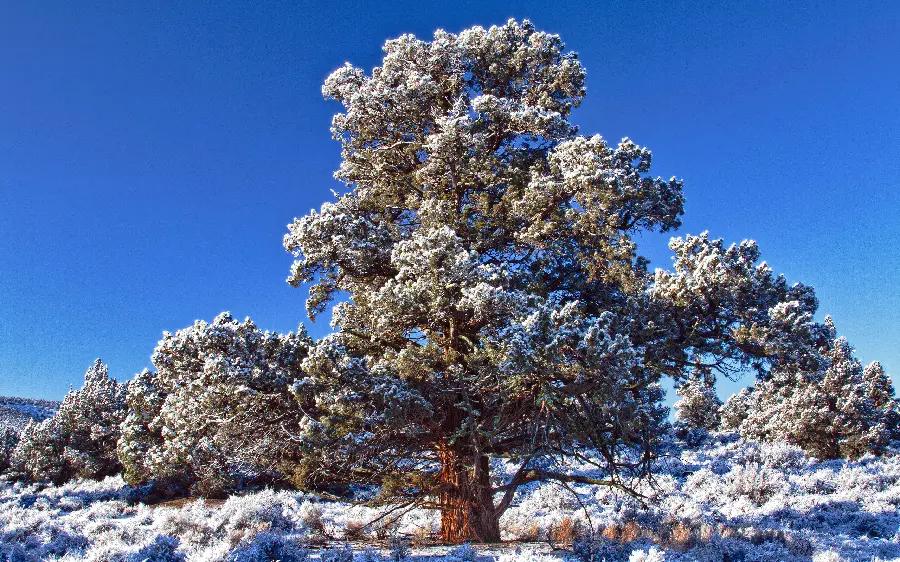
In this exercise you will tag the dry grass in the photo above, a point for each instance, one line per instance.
(565, 532)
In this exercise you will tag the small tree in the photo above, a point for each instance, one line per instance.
(736, 409)
(836, 410)
(217, 411)
(9, 438)
(699, 404)
(496, 304)
(40, 453)
(80, 440)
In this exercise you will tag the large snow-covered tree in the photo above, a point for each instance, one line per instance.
(491, 300)
(217, 411)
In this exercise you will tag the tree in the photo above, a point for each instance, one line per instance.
(699, 405)
(80, 440)
(9, 438)
(217, 412)
(836, 410)
(493, 303)
(736, 409)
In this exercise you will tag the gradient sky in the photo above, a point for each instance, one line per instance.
(152, 155)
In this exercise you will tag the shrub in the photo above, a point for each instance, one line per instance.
(162, 549)
(342, 553)
(268, 547)
(8, 441)
(651, 555)
(399, 549)
(595, 547)
(462, 553)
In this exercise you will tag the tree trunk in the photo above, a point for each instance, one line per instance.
(466, 502)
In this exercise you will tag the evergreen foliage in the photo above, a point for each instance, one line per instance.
(217, 412)
(496, 304)
(79, 441)
(838, 409)
(699, 405)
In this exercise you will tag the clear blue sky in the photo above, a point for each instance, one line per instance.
(151, 155)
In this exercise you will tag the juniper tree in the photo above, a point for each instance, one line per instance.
(217, 410)
(736, 409)
(80, 440)
(492, 302)
(699, 405)
(838, 409)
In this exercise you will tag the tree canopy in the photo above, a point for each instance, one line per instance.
(492, 299)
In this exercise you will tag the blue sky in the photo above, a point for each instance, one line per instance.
(151, 156)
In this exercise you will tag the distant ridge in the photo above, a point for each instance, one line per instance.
(15, 413)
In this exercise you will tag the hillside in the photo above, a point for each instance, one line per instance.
(715, 498)
(16, 412)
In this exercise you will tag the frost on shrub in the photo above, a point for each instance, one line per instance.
(342, 553)
(162, 549)
(755, 482)
(699, 405)
(80, 440)
(399, 548)
(268, 547)
(596, 548)
(651, 555)
(217, 411)
(528, 556)
(462, 553)
(836, 410)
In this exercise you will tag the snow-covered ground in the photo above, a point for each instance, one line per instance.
(16, 412)
(721, 499)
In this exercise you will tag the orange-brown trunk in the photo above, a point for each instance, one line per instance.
(466, 502)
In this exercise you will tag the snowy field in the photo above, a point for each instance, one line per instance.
(721, 499)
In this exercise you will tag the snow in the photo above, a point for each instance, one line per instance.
(722, 498)
(15, 413)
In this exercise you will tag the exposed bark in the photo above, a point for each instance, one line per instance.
(465, 500)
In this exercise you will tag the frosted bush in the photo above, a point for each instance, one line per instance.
(162, 549)
(399, 548)
(265, 510)
(526, 556)
(651, 555)
(215, 413)
(9, 438)
(831, 408)
(80, 440)
(193, 523)
(827, 556)
(342, 553)
(778, 455)
(462, 553)
(268, 547)
(596, 548)
(755, 482)
(704, 486)
(369, 554)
